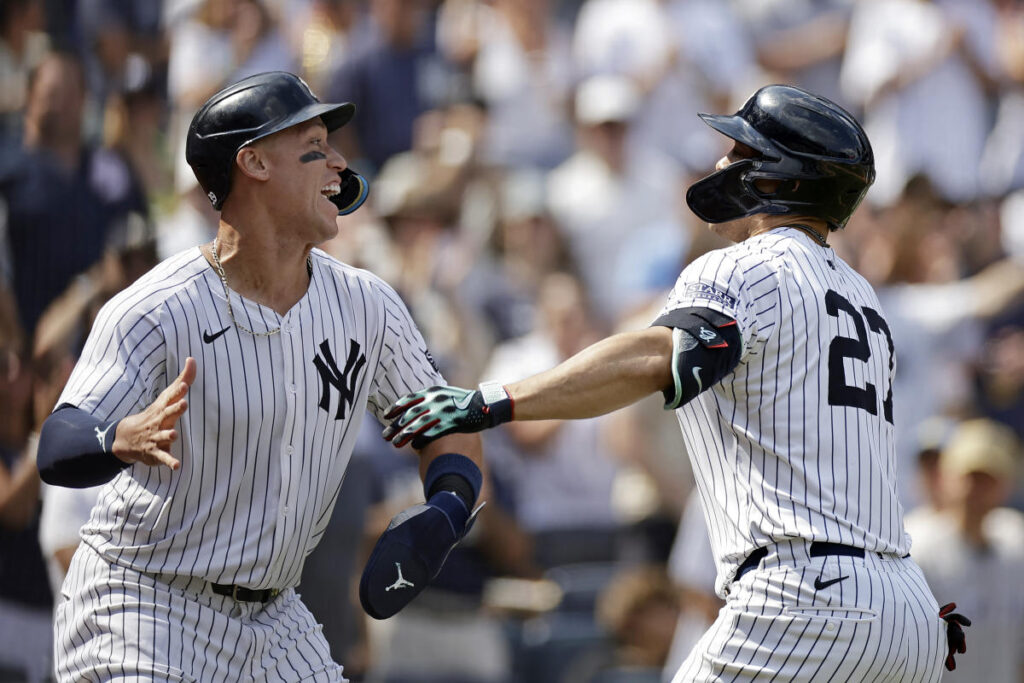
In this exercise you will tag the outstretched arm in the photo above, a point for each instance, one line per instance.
(608, 375)
(603, 377)
(78, 450)
(685, 352)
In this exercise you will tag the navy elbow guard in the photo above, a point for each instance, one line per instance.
(706, 346)
(75, 449)
(412, 550)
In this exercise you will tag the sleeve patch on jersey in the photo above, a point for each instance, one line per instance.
(703, 290)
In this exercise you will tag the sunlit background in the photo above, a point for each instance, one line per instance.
(528, 161)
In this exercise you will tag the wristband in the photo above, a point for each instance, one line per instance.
(497, 402)
(455, 473)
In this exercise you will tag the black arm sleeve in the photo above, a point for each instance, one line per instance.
(74, 449)
(706, 346)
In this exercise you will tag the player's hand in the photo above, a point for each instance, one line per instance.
(428, 414)
(146, 437)
(411, 552)
(955, 636)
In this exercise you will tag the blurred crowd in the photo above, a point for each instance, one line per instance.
(528, 162)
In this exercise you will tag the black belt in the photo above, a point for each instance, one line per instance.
(243, 594)
(817, 549)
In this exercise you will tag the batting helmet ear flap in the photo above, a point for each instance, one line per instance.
(354, 191)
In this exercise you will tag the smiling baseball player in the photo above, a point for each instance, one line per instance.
(221, 396)
(778, 362)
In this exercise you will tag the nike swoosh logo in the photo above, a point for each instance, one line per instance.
(210, 338)
(464, 403)
(820, 585)
(696, 376)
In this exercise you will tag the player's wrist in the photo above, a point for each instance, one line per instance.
(453, 473)
(498, 403)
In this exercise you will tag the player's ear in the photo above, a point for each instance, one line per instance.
(252, 161)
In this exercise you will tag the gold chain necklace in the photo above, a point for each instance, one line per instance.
(227, 296)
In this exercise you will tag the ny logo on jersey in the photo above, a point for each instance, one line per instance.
(342, 380)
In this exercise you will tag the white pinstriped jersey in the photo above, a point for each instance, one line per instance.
(797, 442)
(271, 420)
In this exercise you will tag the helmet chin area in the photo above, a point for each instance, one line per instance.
(724, 195)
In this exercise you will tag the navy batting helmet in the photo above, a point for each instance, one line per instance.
(814, 146)
(252, 109)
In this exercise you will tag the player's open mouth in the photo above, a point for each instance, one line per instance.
(330, 189)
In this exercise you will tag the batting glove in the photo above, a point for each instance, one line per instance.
(431, 413)
(411, 552)
(955, 636)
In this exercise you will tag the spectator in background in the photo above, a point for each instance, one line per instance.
(62, 196)
(711, 37)
(640, 40)
(932, 437)
(999, 370)
(800, 43)
(133, 128)
(418, 199)
(192, 222)
(691, 566)
(973, 550)
(122, 42)
(23, 44)
(918, 70)
(223, 41)
(321, 31)
(395, 73)
(638, 608)
(26, 603)
(616, 203)
(520, 68)
(561, 472)
(219, 42)
(525, 246)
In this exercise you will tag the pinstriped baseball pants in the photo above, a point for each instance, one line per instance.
(116, 624)
(880, 623)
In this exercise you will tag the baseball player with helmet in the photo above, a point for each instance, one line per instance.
(219, 397)
(778, 362)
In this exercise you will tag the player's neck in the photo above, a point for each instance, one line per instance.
(259, 267)
(814, 228)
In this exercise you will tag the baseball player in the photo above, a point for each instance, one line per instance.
(220, 397)
(778, 362)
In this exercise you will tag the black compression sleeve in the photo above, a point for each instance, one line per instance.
(706, 347)
(74, 449)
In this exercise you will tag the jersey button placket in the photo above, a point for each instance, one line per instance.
(289, 466)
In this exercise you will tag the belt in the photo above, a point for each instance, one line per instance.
(817, 549)
(242, 594)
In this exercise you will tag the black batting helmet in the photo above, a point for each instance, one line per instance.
(799, 137)
(245, 112)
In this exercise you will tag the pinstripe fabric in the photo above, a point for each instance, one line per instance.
(879, 624)
(773, 458)
(116, 624)
(271, 422)
(796, 446)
